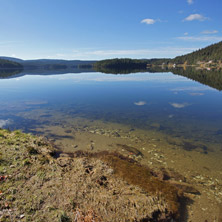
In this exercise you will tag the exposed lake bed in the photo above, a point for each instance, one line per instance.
(168, 123)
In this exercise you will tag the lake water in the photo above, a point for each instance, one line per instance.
(174, 122)
(162, 102)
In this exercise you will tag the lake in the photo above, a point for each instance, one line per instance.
(176, 123)
(160, 102)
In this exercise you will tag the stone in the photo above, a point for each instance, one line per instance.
(21, 216)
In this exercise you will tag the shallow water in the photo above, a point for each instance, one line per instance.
(162, 102)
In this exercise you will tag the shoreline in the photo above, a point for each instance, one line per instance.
(41, 165)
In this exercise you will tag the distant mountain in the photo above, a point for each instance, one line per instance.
(212, 53)
(14, 73)
(49, 63)
(11, 59)
(7, 64)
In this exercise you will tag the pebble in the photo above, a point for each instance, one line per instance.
(22, 216)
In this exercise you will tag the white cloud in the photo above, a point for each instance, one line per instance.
(93, 54)
(190, 2)
(197, 17)
(148, 21)
(179, 105)
(201, 38)
(140, 103)
(209, 32)
(148, 52)
(186, 33)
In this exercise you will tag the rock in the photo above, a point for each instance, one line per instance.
(75, 146)
(21, 216)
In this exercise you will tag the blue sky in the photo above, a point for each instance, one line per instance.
(99, 29)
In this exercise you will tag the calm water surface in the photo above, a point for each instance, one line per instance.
(161, 102)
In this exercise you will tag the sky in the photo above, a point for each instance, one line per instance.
(102, 29)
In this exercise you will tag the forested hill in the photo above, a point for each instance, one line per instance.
(212, 53)
(6, 64)
(120, 65)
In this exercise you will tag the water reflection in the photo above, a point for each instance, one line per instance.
(162, 102)
(210, 77)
